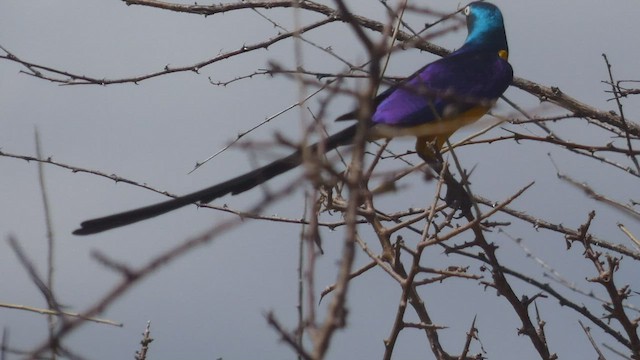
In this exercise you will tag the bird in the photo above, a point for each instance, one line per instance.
(431, 104)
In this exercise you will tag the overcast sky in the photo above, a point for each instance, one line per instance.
(211, 303)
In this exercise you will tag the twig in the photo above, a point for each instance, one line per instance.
(287, 338)
(624, 124)
(57, 313)
(472, 334)
(587, 332)
(51, 320)
(144, 343)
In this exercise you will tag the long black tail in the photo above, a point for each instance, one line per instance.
(233, 186)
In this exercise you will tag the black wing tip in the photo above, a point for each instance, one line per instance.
(86, 228)
(82, 231)
(348, 116)
(99, 225)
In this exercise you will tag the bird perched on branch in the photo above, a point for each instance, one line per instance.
(431, 105)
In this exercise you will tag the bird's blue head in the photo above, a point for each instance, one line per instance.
(486, 29)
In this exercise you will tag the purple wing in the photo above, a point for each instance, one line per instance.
(443, 89)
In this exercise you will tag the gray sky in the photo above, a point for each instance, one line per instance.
(211, 303)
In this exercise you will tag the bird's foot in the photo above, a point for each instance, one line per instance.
(457, 197)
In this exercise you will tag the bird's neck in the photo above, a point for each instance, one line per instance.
(487, 40)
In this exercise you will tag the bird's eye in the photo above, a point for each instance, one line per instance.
(467, 11)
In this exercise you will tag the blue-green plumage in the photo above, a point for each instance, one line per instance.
(486, 28)
(430, 104)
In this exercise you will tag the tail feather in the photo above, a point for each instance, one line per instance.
(233, 186)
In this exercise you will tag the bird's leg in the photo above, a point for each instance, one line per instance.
(456, 196)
